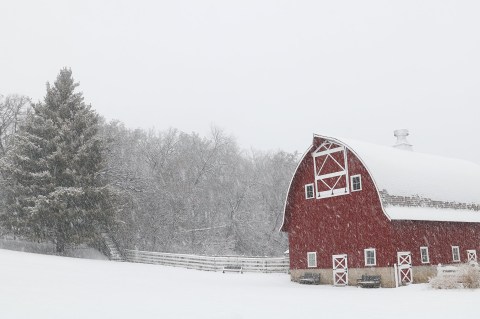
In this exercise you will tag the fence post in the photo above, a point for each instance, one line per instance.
(395, 270)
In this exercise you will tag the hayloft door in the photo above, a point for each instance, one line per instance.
(340, 270)
(472, 256)
(404, 259)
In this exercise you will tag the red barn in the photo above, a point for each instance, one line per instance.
(356, 208)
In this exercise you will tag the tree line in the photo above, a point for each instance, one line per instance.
(67, 175)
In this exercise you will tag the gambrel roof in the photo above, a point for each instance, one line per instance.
(417, 186)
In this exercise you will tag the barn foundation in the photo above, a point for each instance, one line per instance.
(421, 274)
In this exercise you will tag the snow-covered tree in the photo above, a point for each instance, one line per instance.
(13, 109)
(54, 182)
(185, 193)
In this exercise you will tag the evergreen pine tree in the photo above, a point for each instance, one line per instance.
(53, 174)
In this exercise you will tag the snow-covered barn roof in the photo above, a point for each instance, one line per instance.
(417, 186)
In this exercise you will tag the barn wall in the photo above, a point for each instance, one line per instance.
(345, 224)
(439, 237)
(348, 224)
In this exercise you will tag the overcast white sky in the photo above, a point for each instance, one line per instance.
(269, 72)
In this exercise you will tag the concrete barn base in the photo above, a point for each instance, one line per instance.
(421, 274)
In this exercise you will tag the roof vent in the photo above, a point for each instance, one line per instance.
(402, 142)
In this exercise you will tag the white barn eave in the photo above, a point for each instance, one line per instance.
(433, 214)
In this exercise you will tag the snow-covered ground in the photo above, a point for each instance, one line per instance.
(40, 286)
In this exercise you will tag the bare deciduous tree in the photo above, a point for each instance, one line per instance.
(13, 109)
(192, 194)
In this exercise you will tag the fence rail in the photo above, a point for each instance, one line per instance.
(210, 263)
(456, 271)
(447, 271)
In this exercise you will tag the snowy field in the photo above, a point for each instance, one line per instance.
(40, 286)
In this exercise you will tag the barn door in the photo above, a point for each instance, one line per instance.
(404, 259)
(472, 256)
(331, 170)
(340, 270)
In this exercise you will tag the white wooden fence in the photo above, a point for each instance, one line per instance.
(248, 264)
(447, 271)
(456, 271)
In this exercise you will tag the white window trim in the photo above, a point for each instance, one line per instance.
(474, 252)
(374, 256)
(425, 248)
(458, 254)
(351, 182)
(314, 253)
(313, 191)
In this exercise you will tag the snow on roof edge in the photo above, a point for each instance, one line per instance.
(433, 214)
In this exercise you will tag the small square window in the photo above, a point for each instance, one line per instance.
(424, 255)
(455, 253)
(370, 257)
(309, 191)
(356, 181)
(312, 259)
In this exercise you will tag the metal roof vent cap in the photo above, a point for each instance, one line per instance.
(402, 142)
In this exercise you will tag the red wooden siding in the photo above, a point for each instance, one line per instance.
(439, 237)
(348, 224)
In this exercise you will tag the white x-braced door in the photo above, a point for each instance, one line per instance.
(404, 259)
(340, 270)
(472, 256)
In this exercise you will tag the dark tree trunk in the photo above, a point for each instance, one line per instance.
(60, 245)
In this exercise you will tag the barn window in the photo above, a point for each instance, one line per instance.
(312, 259)
(456, 253)
(309, 191)
(356, 181)
(424, 255)
(370, 257)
